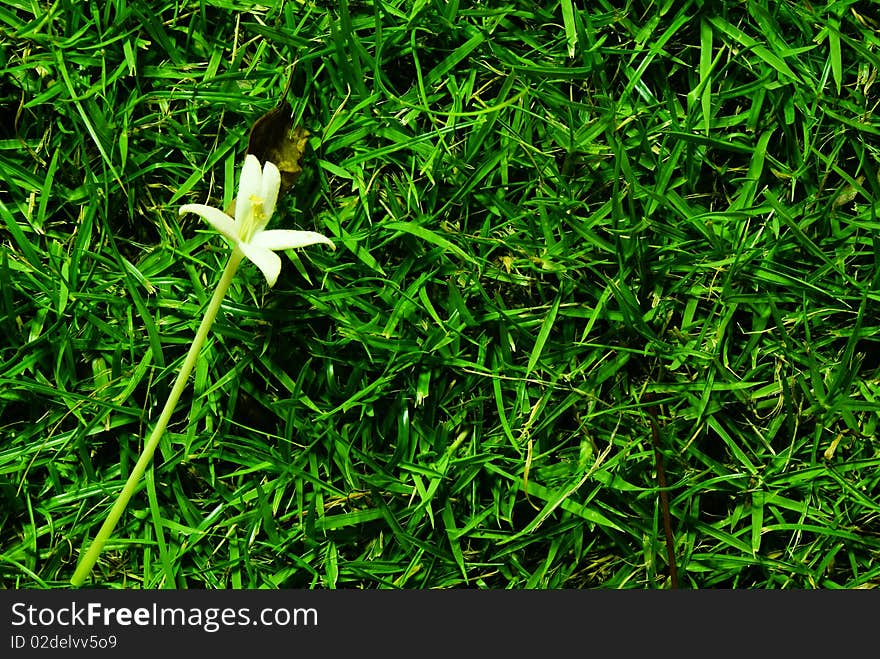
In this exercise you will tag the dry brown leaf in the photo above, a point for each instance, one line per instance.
(275, 138)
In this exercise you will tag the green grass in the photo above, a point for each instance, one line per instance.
(543, 215)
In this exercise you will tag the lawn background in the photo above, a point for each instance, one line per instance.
(554, 224)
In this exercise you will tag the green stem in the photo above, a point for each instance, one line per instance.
(91, 556)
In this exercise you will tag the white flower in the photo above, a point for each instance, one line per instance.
(257, 194)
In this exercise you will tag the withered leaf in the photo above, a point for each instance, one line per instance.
(274, 138)
(848, 194)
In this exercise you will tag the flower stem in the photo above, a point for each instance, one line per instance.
(91, 556)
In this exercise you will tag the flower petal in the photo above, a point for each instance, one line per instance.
(249, 185)
(269, 193)
(217, 218)
(265, 259)
(278, 239)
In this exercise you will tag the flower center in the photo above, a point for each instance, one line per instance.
(254, 220)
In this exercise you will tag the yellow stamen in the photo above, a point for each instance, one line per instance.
(254, 220)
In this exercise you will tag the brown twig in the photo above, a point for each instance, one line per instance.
(664, 496)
